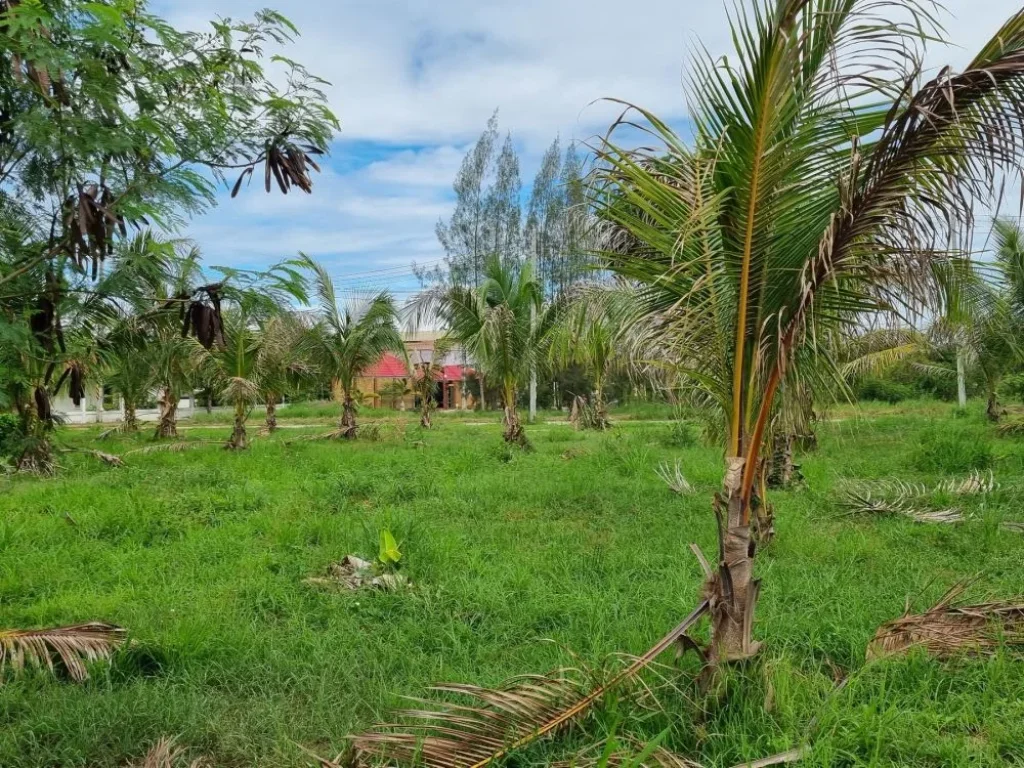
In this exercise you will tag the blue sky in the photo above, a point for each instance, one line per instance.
(413, 83)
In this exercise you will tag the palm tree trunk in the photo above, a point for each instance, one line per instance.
(36, 456)
(209, 401)
(483, 394)
(733, 590)
(348, 426)
(129, 421)
(167, 426)
(782, 472)
(271, 413)
(600, 410)
(425, 415)
(961, 378)
(513, 426)
(992, 409)
(239, 438)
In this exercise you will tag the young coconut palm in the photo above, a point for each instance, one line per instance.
(819, 187)
(590, 334)
(429, 371)
(825, 182)
(284, 347)
(492, 322)
(348, 340)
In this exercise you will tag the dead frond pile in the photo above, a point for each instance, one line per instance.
(1011, 429)
(673, 478)
(354, 573)
(73, 647)
(951, 628)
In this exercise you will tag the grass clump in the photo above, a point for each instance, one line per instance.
(952, 449)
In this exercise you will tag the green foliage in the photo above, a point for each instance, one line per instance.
(10, 434)
(884, 390)
(1012, 387)
(389, 554)
(952, 450)
(682, 434)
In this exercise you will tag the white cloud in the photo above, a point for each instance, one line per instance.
(417, 79)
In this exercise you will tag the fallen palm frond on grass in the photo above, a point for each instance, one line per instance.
(673, 478)
(72, 646)
(915, 500)
(951, 628)
(1012, 526)
(865, 502)
(177, 447)
(498, 721)
(1011, 429)
(166, 754)
(110, 459)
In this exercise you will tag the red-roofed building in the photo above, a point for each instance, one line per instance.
(388, 381)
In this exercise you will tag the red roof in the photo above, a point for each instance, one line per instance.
(388, 367)
(453, 372)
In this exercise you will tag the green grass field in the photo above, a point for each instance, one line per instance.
(203, 555)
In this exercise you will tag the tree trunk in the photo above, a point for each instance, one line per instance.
(36, 456)
(992, 409)
(781, 471)
(271, 413)
(483, 395)
(513, 427)
(129, 421)
(732, 590)
(600, 409)
(961, 378)
(239, 438)
(167, 426)
(209, 401)
(348, 426)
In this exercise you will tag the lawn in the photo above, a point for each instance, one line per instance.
(202, 555)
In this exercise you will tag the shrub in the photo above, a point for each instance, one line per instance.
(682, 434)
(884, 390)
(952, 450)
(10, 433)
(1012, 387)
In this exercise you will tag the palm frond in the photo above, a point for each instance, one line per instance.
(951, 628)
(896, 502)
(167, 754)
(175, 447)
(673, 477)
(72, 646)
(499, 721)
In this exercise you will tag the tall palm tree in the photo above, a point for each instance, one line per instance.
(349, 339)
(825, 182)
(126, 370)
(492, 322)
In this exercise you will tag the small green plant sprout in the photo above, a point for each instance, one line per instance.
(390, 555)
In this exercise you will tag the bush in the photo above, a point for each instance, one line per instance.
(952, 450)
(1012, 387)
(884, 390)
(10, 433)
(682, 434)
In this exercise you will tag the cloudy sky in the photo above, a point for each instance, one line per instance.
(413, 83)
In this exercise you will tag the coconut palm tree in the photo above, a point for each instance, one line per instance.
(430, 370)
(825, 182)
(283, 353)
(492, 322)
(349, 339)
(126, 370)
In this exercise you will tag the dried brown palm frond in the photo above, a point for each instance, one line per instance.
(1012, 526)
(166, 754)
(976, 483)
(495, 722)
(72, 646)
(1011, 429)
(950, 628)
(626, 753)
(673, 477)
(860, 501)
